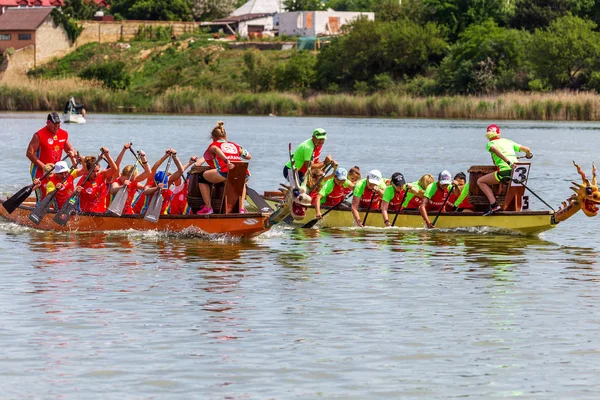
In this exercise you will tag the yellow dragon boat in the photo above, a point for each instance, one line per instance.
(510, 196)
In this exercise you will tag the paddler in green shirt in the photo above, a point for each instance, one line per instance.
(504, 157)
(393, 197)
(333, 191)
(416, 191)
(308, 150)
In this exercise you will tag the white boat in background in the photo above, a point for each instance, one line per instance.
(74, 113)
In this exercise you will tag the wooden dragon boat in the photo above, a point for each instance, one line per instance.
(227, 219)
(511, 196)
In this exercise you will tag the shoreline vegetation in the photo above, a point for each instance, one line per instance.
(50, 94)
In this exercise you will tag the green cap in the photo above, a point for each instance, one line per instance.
(320, 133)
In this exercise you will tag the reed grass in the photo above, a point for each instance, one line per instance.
(19, 94)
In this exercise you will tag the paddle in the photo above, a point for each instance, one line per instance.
(289, 219)
(399, 208)
(258, 200)
(313, 222)
(443, 205)
(118, 203)
(40, 211)
(153, 211)
(64, 214)
(368, 208)
(316, 184)
(18, 198)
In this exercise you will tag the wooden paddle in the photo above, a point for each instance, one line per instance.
(313, 222)
(40, 211)
(155, 206)
(289, 219)
(399, 208)
(118, 203)
(443, 205)
(258, 200)
(64, 214)
(18, 198)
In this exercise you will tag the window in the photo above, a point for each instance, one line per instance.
(4, 36)
(24, 36)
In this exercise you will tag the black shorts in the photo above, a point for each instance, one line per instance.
(503, 176)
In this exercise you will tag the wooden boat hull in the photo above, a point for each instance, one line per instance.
(235, 225)
(524, 222)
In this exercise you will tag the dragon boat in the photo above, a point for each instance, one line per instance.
(514, 216)
(227, 219)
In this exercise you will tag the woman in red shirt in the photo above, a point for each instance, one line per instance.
(94, 191)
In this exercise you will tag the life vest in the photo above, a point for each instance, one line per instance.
(436, 201)
(365, 200)
(65, 192)
(465, 204)
(178, 201)
(50, 149)
(93, 196)
(231, 150)
(337, 194)
(396, 202)
(131, 192)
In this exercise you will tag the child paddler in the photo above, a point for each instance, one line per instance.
(333, 191)
(367, 194)
(435, 196)
(162, 180)
(308, 150)
(178, 202)
(416, 191)
(95, 190)
(132, 180)
(459, 198)
(63, 182)
(393, 196)
(504, 158)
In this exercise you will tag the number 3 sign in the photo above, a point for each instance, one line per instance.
(520, 174)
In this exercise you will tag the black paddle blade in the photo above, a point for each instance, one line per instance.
(118, 203)
(153, 212)
(310, 224)
(40, 211)
(62, 217)
(17, 199)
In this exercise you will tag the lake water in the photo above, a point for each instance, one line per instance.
(303, 314)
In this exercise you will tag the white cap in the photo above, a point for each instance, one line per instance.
(61, 167)
(445, 178)
(341, 174)
(374, 177)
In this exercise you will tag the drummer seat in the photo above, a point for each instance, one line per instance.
(508, 194)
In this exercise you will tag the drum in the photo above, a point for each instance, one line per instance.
(476, 197)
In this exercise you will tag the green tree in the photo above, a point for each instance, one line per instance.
(457, 15)
(304, 5)
(153, 10)
(371, 48)
(532, 14)
(298, 73)
(79, 9)
(567, 49)
(484, 59)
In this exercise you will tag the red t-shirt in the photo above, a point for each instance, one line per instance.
(231, 150)
(50, 150)
(93, 195)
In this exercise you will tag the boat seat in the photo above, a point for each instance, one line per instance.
(226, 197)
(508, 194)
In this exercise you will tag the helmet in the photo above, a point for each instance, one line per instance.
(161, 177)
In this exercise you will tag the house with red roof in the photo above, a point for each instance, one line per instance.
(22, 27)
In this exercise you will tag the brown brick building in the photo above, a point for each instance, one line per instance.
(22, 27)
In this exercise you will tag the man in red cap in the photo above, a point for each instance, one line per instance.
(47, 145)
(504, 157)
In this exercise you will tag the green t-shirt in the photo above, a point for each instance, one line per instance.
(390, 192)
(463, 194)
(361, 185)
(302, 154)
(328, 188)
(508, 148)
(410, 195)
(430, 191)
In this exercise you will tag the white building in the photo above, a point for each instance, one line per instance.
(317, 23)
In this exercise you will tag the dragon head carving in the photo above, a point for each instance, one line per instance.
(587, 193)
(586, 197)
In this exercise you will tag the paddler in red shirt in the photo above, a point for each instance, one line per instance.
(132, 180)
(94, 191)
(47, 145)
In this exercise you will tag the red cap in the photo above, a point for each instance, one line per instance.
(494, 128)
